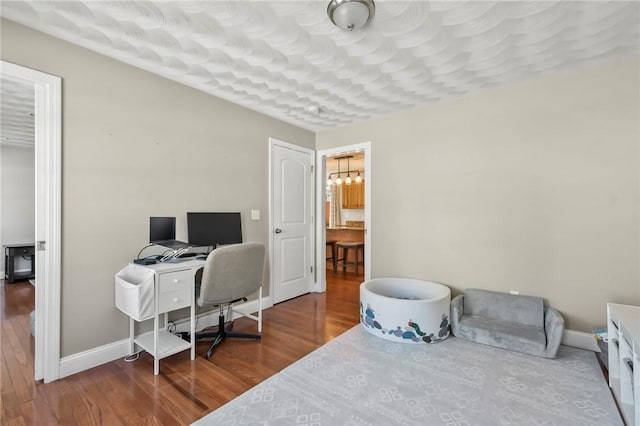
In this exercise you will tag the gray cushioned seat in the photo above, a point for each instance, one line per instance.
(514, 322)
(516, 337)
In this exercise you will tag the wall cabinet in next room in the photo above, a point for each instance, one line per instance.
(353, 196)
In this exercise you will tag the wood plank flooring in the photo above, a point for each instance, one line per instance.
(121, 393)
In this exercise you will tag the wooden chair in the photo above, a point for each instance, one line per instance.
(358, 247)
(331, 244)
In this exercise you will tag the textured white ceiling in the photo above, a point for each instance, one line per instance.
(280, 57)
(17, 123)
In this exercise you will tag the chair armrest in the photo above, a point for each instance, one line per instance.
(553, 328)
(457, 309)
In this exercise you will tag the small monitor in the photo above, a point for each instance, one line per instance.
(162, 229)
(214, 229)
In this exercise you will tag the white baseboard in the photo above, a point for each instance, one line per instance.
(2, 273)
(91, 358)
(579, 339)
(85, 360)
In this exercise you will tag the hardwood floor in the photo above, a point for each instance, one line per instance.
(121, 393)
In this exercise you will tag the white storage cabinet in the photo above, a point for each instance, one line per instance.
(623, 330)
(145, 292)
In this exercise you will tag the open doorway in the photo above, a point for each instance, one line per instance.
(17, 176)
(344, 214)
(17, 215)
(47, 116)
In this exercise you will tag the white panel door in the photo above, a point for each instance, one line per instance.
(292, 213)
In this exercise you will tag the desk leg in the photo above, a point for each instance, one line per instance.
(192, 326)
(156, 359)
(132, 327)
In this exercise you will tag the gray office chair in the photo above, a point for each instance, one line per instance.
(232, 273)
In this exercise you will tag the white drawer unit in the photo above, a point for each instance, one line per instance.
(623, 330)
(147, 292)
(174, 290)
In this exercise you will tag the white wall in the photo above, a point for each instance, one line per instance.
(17, 199)
(533, 187)
(352, 215)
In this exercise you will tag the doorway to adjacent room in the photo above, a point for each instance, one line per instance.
(344, 213)
(48, 122)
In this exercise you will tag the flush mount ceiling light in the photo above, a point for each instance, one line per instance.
(312, 109)
(350, 15)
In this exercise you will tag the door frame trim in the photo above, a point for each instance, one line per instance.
(320, 285)
(48, 136)
(277, 142)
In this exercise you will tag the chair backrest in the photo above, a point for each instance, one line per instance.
(231, 273)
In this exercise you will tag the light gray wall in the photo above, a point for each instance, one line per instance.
(17, 199)
(136, 145)
(533, 188)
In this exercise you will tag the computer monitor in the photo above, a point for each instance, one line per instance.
(162, 229)
(214, 229)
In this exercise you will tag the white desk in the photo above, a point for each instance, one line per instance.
(147, 291)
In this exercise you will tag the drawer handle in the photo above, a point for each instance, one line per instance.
(175, 299)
